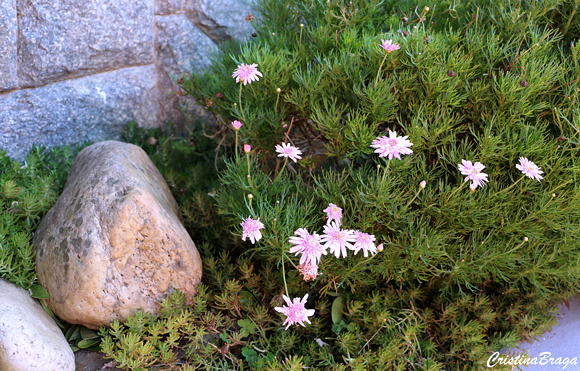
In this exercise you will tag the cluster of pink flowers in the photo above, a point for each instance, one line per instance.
(478, 178)
(394, 146)
(335, 239)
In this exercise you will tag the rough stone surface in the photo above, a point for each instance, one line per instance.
(60, 39)
(180, 48)
(8, 30)
(30, 340)
(168, 6)
(86, 360)
(113, 242)
(91, 108)
(221, 20)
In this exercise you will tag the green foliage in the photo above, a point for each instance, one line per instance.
(462, 273)
(27, 192)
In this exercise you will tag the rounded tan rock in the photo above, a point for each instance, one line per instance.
(113, 242)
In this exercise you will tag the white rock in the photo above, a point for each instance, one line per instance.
(30, 340)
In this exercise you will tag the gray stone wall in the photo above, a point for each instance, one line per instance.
(77, 70)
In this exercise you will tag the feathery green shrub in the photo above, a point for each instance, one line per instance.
(462, 272)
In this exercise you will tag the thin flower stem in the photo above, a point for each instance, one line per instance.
(237, 155)
(456, 190)
(416, 194)
(242, 115)
(362, 261)
(513, 184)
(251, 207)
(283, 166)
(380, 67)
(284, 273)
(385, 171)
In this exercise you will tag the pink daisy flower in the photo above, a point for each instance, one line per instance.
(247, 73)
(530, 169)
(333, 212)
(388, 45)
(308, 245)
(393, 146)
(295, 311)
(366, 243)
(251, 229)
(474, 173)
(237, 125)
(337, 240)
(287, 150)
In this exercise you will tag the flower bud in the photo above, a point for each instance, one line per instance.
(524, 84)
(451, 73)
(426, 9)
(247, 148)
(414, 28)
(422, 184)
(472, 187)
(301, 25)
(278, 90)
(553, 195)
(237, 125)
(380, 248)
(405, 19)
(250, 196)
(526, 239)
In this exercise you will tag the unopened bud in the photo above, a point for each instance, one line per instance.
(273, 34)
(301, 25)
(405, 19)
(278, 90)
(472, 187)
(414, 28)
(250, 196)
(553, 195)
(152, 141)
(426, 9)
(422, 184)
(247, 148)
(380, 248)
(237, 125)
(526, 239)
(249, 176)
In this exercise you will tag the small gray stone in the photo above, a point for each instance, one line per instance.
(113, 242)
(60, 39)
(181, 49)
(92, 108)
(168, 6)
(221, 20)
(30, 340)
(8, 48)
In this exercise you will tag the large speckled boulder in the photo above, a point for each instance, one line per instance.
(113, 242)
(30, 340)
